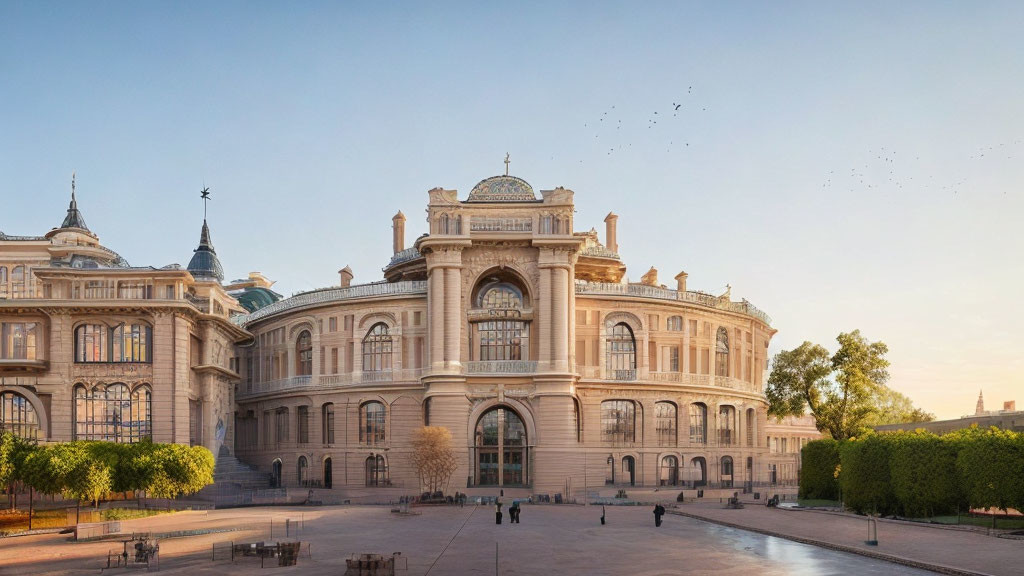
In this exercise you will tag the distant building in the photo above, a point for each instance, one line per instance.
(1009, 418)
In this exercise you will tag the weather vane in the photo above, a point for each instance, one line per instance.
(205, 195)
(72, 185)
(506, 163)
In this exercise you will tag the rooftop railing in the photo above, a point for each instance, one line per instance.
(404, 256)
(327, 382)
(501, 367)
(480, 224)
(644, 291)
(599, 251)
(327, 295)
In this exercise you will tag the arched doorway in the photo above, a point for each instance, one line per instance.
(699, 471)
(275, 479)
(328, 473)
(629, 469)
(669, 471)
(376, 470)
(500, 448)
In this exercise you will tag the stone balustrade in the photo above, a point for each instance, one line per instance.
(690, 297)
(501, 367)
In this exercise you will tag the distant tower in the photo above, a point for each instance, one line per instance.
(980, 409)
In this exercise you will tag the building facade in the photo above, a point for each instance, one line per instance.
(519, 334)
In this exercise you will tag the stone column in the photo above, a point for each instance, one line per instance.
(559, 316)
(435, 316)
(452, 315)
(543, 323)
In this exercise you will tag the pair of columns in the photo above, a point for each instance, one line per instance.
(445, 302)
(553, 305)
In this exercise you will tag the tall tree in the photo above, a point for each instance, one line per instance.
(433, 456)
(841, 392)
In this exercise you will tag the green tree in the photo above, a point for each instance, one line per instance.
(178, 469)
(891, 407)
(818, 478)
(840, 391)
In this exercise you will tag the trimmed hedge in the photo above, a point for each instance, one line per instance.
(918, 474)
(818, 477)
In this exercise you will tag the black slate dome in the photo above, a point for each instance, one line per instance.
(204, 263)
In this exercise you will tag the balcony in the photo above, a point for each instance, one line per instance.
(329, 295)
(478, 224)
(501, 367)
(327, 382)
(644, 291)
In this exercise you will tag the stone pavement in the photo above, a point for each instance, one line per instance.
(454, 541)
(951, 550)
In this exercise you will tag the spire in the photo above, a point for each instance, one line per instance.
(980, 409)
(74, 218)
(204, 263)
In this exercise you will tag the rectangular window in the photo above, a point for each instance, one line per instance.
(673, 358)
(416, 318)
(332, 324)
(18, 340)
(693, 327)
(334, 360)
(705, 361)
(303, 417)
(618, 421)
(281, 429)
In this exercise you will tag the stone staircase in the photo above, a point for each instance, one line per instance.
(232, 479)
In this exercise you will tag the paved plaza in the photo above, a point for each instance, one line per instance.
(452, 540)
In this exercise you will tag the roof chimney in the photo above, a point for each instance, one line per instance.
(681, 281)
(1010, 406)
(398, 227)
(610, 241)
(346, 276)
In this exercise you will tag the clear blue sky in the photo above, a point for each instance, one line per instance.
(843, 166)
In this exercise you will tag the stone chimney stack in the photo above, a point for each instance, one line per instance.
(1010, 406)
(681, 281)
(346, 276)
(610, 240)
(398, 226)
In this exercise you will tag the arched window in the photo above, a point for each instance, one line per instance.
(698, 423)
(3, 281)
(426, 412)
(91, 343)
(131, 343)
(722, 352)
(621, 353)
(674, 323)
(372, 420)
(726, 471)
(726, 425)
(500, 332)
(302, 470)
(669, 471)
(17, 416)
(19, 282)
(328, 423)
(698, 471)
(275, 479)
(442, 224)
(113, 413)
(665, 423)
(577, 416)
(618, 421)
(328, 473)
(377, 349)
(376, 471)
(302, 418)
(500, 446)
(304, 354)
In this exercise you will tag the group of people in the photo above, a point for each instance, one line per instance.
(513, 512)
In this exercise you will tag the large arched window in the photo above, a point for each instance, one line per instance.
(726, 471)
(19, 282)
(722, 352)
(377, 349)
(665, 418)
(304, 354)
(501, 448)
(17, 416)
(91, 343)
(501, 332)
(618, 421)
(669, 471)
(376, 471)
(726, 425)
(372, 420)
(113, 413)
(327, 421)
(698, 423)
(698, 471)
(621, 353)
(131, 343)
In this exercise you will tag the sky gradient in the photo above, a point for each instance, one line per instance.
(841, 166)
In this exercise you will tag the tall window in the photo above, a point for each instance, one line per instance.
(131, 343)
(17, 416)
(674, 323)
(726, 471)
(281, 425)
(18, 340)
(726, 425)
(500, 446)
(303, 418)
(91, 343)
(376, 471)
(507, 338)
(377, 349)
(621, 353)
(698, 423)
(372, 420)
(113, 413)
(19, 282)
(751, 424)
(722, 352)
(665, 423)
(699, 471)
(618, 421)
(304, 354)
(3, 281)
(328, 423)
(302, 471)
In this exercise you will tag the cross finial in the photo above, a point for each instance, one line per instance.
(205, 195)
(506, 163)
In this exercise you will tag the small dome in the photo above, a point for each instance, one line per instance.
(502, 189)
(204, 263)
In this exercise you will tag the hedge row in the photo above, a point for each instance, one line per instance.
(918, 474)
(90, 470)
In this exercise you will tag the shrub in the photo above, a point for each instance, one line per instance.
(865, 478)
(922, 467)
(818, 470)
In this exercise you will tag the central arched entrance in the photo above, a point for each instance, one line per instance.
(276, 474)
(328, 474)
(500, 449)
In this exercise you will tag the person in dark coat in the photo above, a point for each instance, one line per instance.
(513, 513)
(659, 511)
(602, 515)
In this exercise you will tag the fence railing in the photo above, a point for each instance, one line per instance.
(644, 291)
(482, 224)
(328, 381)
(501, 367)
(327, 295)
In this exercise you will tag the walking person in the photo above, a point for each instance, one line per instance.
(659, 511)
(602, 514)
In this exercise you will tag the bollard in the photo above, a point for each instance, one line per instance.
(872, 532)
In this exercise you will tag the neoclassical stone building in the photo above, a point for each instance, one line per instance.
(503, 324)
(521, 336)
